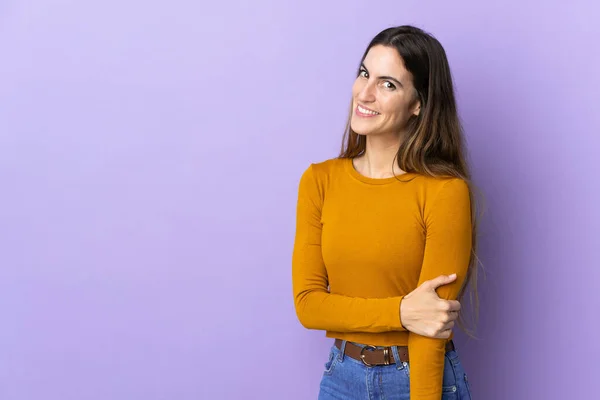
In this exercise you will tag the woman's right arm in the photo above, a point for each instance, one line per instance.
(316, 308)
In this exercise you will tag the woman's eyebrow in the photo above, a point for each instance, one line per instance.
(391, 78)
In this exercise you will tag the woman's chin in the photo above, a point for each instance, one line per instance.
(362, 130)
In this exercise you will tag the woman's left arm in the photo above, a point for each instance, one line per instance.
(447, 250)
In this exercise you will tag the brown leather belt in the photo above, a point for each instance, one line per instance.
(372, 356)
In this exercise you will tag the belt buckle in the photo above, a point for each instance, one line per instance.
(362, 355)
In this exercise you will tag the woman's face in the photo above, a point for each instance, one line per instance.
(384, 97)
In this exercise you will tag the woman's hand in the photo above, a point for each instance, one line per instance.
(424, 313)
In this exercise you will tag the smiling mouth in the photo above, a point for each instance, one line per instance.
(365, 112)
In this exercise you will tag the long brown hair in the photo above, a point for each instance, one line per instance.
(434, 144)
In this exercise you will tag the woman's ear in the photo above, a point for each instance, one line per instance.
(416, 108)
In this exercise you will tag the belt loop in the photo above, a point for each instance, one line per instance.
(399, 364)
(451, 344)
(342, 351)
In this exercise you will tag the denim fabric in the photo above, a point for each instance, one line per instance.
(345, 378)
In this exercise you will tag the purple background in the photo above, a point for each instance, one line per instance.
(149, 159)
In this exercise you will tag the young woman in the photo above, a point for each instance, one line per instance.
(382, 229)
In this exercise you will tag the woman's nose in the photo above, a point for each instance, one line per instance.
(367, 93)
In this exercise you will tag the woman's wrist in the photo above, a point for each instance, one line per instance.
(404, 314)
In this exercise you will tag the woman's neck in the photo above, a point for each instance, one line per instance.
(379, 158)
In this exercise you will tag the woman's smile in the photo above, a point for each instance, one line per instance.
(365, 112)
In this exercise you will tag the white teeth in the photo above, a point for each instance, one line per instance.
(364, 111)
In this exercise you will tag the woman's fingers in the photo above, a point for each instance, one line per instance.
(446, 330)
(444, 335)
(453, 315)
(454, 305)
(440, 281)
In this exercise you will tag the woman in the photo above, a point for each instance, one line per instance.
(383, 225)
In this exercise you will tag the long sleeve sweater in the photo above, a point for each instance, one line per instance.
(362, 244)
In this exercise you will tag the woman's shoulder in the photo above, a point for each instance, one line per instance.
(325, 168)
(316, 178)
(441, 181)
(444, 190)
(433, 187)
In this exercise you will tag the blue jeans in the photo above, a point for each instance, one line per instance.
(345, 378)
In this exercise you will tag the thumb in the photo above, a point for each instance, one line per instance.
(442, 280)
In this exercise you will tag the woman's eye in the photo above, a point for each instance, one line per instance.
(363, 73)
(389, 85)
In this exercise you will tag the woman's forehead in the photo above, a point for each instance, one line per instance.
(384, 60)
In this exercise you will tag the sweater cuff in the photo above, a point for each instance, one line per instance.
(394, 317)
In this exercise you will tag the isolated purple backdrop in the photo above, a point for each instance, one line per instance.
(149, 161)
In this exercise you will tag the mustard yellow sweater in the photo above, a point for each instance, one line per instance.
(362, 244)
